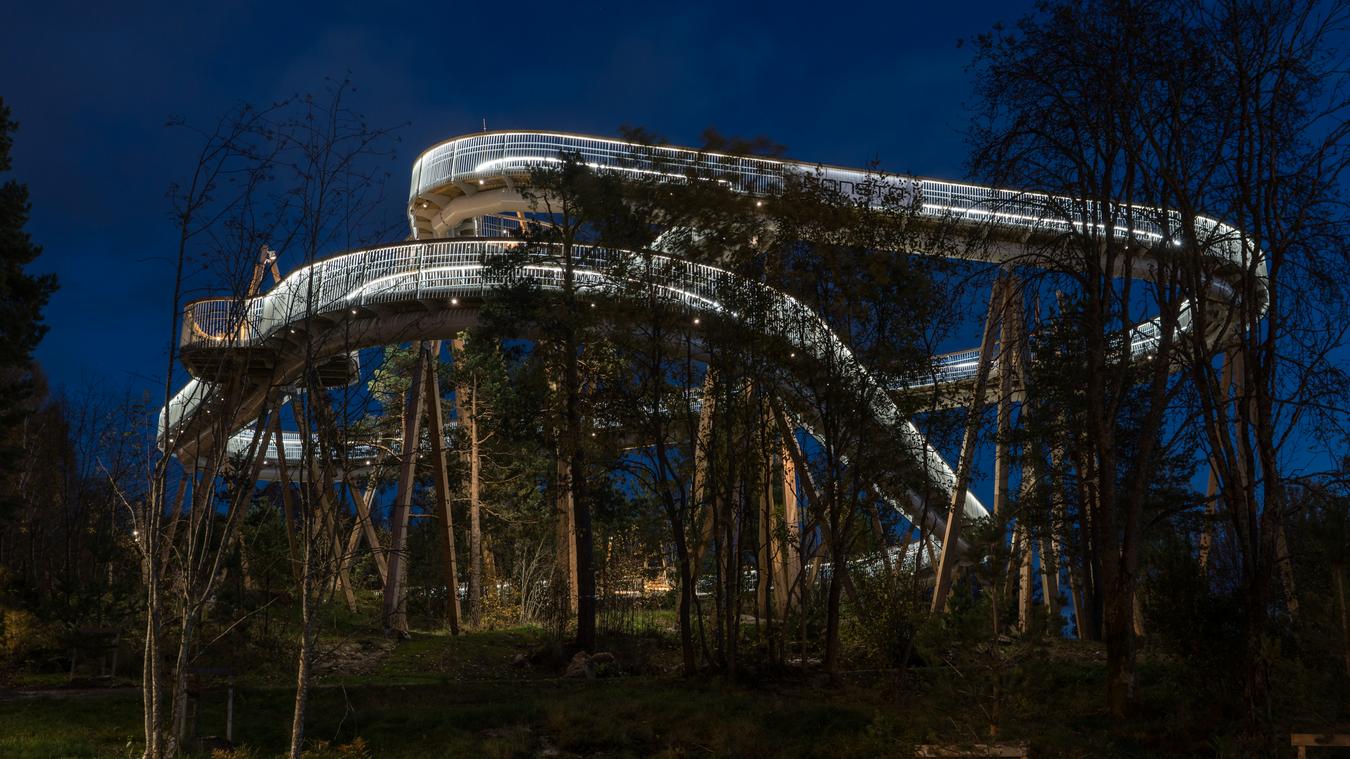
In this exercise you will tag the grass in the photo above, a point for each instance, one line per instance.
(640, 716)
(47, 728)
(440, 696)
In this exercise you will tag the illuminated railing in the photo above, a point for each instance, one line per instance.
(356, 455)
(961, 366)
(353, 284)
(451, 269)
(477, 157)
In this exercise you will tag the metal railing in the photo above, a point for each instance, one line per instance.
(495, 154)
(450, 269)
(458, 268)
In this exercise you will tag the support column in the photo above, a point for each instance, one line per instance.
(366, 525)
(395, 610)
(1008, 316)
(444, 512)
(766, 554)
(1024, 587)
(323, 532)
(951, 534)
(797, 458)
(287, 499)
(789, 558)
(1057, 516)
(466, 403)
(701, 443)
(255, 471)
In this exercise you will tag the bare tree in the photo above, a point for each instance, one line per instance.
(231, 168)
(1271, 162)
(1068, 100)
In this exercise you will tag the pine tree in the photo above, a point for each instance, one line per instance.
(22, 295)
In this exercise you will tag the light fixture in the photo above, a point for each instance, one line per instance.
(696, 320)
(454, 301)
(353, 310)
(481, 182)
(759, 204)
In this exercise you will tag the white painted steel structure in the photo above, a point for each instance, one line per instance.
(457, 184)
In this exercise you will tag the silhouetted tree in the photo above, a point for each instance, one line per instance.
(22, 297)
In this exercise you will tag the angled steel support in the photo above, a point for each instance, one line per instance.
(952, 534)
(395, 611)
(444, 513)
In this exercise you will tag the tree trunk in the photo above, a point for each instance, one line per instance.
(307, 629)
(395, 609)
(440, 480)
(835, 598)
(1119, 638)
(686, 598)
(475, 525)
(566, 536)
(581, 509)
(1338, 579)
(152, 696)
(179, 693)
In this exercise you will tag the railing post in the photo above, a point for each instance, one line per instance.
(365, 274)
(417, 266)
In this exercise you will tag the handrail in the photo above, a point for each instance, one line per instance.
(467, 159)
(450, 269)
(456, 268)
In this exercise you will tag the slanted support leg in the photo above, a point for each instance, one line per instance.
(366, 525)
(789, 556)
(395, 610)
(444, 512)
(951, 534)
(287, 498)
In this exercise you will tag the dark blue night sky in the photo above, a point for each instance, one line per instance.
(93, 84)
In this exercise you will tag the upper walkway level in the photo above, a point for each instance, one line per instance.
(453, 172)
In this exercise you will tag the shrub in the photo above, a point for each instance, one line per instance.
(22, 635)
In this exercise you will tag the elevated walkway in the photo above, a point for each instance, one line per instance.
(431, 288)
